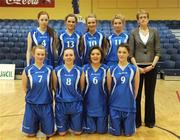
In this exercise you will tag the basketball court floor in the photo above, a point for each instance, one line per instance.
(167, 100)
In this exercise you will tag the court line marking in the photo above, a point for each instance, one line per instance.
(178, 95)
(176, 135)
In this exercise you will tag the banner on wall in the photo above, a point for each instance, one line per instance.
(27, 3)
(7, 71)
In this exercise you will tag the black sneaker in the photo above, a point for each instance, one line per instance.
(149, 125)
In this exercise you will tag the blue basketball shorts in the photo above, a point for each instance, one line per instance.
(95, 124)
(121, 122)
(68, 115)
(38, 117)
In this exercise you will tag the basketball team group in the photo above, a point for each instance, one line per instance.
(90, 83)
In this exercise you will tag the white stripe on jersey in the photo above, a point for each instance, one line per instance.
(130, 80)
(100, 40)
(115, 83)
(34, 38)
(62, 44)
(77, 45)
(59, 78)
(87, 80)
(85, 45)
(77, 79)
(126, 39)
(104, 80)
(30, 77)
(48, 78)
(51, 45)
(110, 44)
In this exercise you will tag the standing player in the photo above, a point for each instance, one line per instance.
(124, 79)
(115, 39)
(95, 96)
(68, 108)
(92, 38)
(42, 35)
(36, 81)
(69, 38)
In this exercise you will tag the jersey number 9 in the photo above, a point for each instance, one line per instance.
(123, 79)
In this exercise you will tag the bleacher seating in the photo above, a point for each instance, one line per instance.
(6, 61)
(1, 43)
(175, 57)
(13, 40)
(176, 45)
(177, 65)
(165, 57)
(171, 51)
(11, 56)
(2, 56)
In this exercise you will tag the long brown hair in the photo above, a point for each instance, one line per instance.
(49, 29)
(124, 45)
(71, 15)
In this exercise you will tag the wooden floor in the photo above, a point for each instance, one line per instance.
(167, 115)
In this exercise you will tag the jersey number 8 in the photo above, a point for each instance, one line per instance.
(68, 81)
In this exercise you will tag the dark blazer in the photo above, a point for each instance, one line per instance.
(144, 53)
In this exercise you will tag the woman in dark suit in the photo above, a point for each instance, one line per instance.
(145, 51)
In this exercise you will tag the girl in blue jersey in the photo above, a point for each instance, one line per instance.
(92, 38)
(42, 35)
(37, 84)
(67, 85)
(95, 95)
(115, 39)
(69, 38)
(122, 82)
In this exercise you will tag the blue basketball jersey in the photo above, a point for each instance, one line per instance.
(68, 88)
(95, 96)
(114, 41)
(122, 95)
(89, 41)
(69, 41)
(38, 87)
(45, 40)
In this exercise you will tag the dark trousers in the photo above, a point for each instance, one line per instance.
(149, 79)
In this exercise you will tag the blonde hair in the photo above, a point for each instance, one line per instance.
(141, 11)
(119, 16)
(38, 47)
(90, 16)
